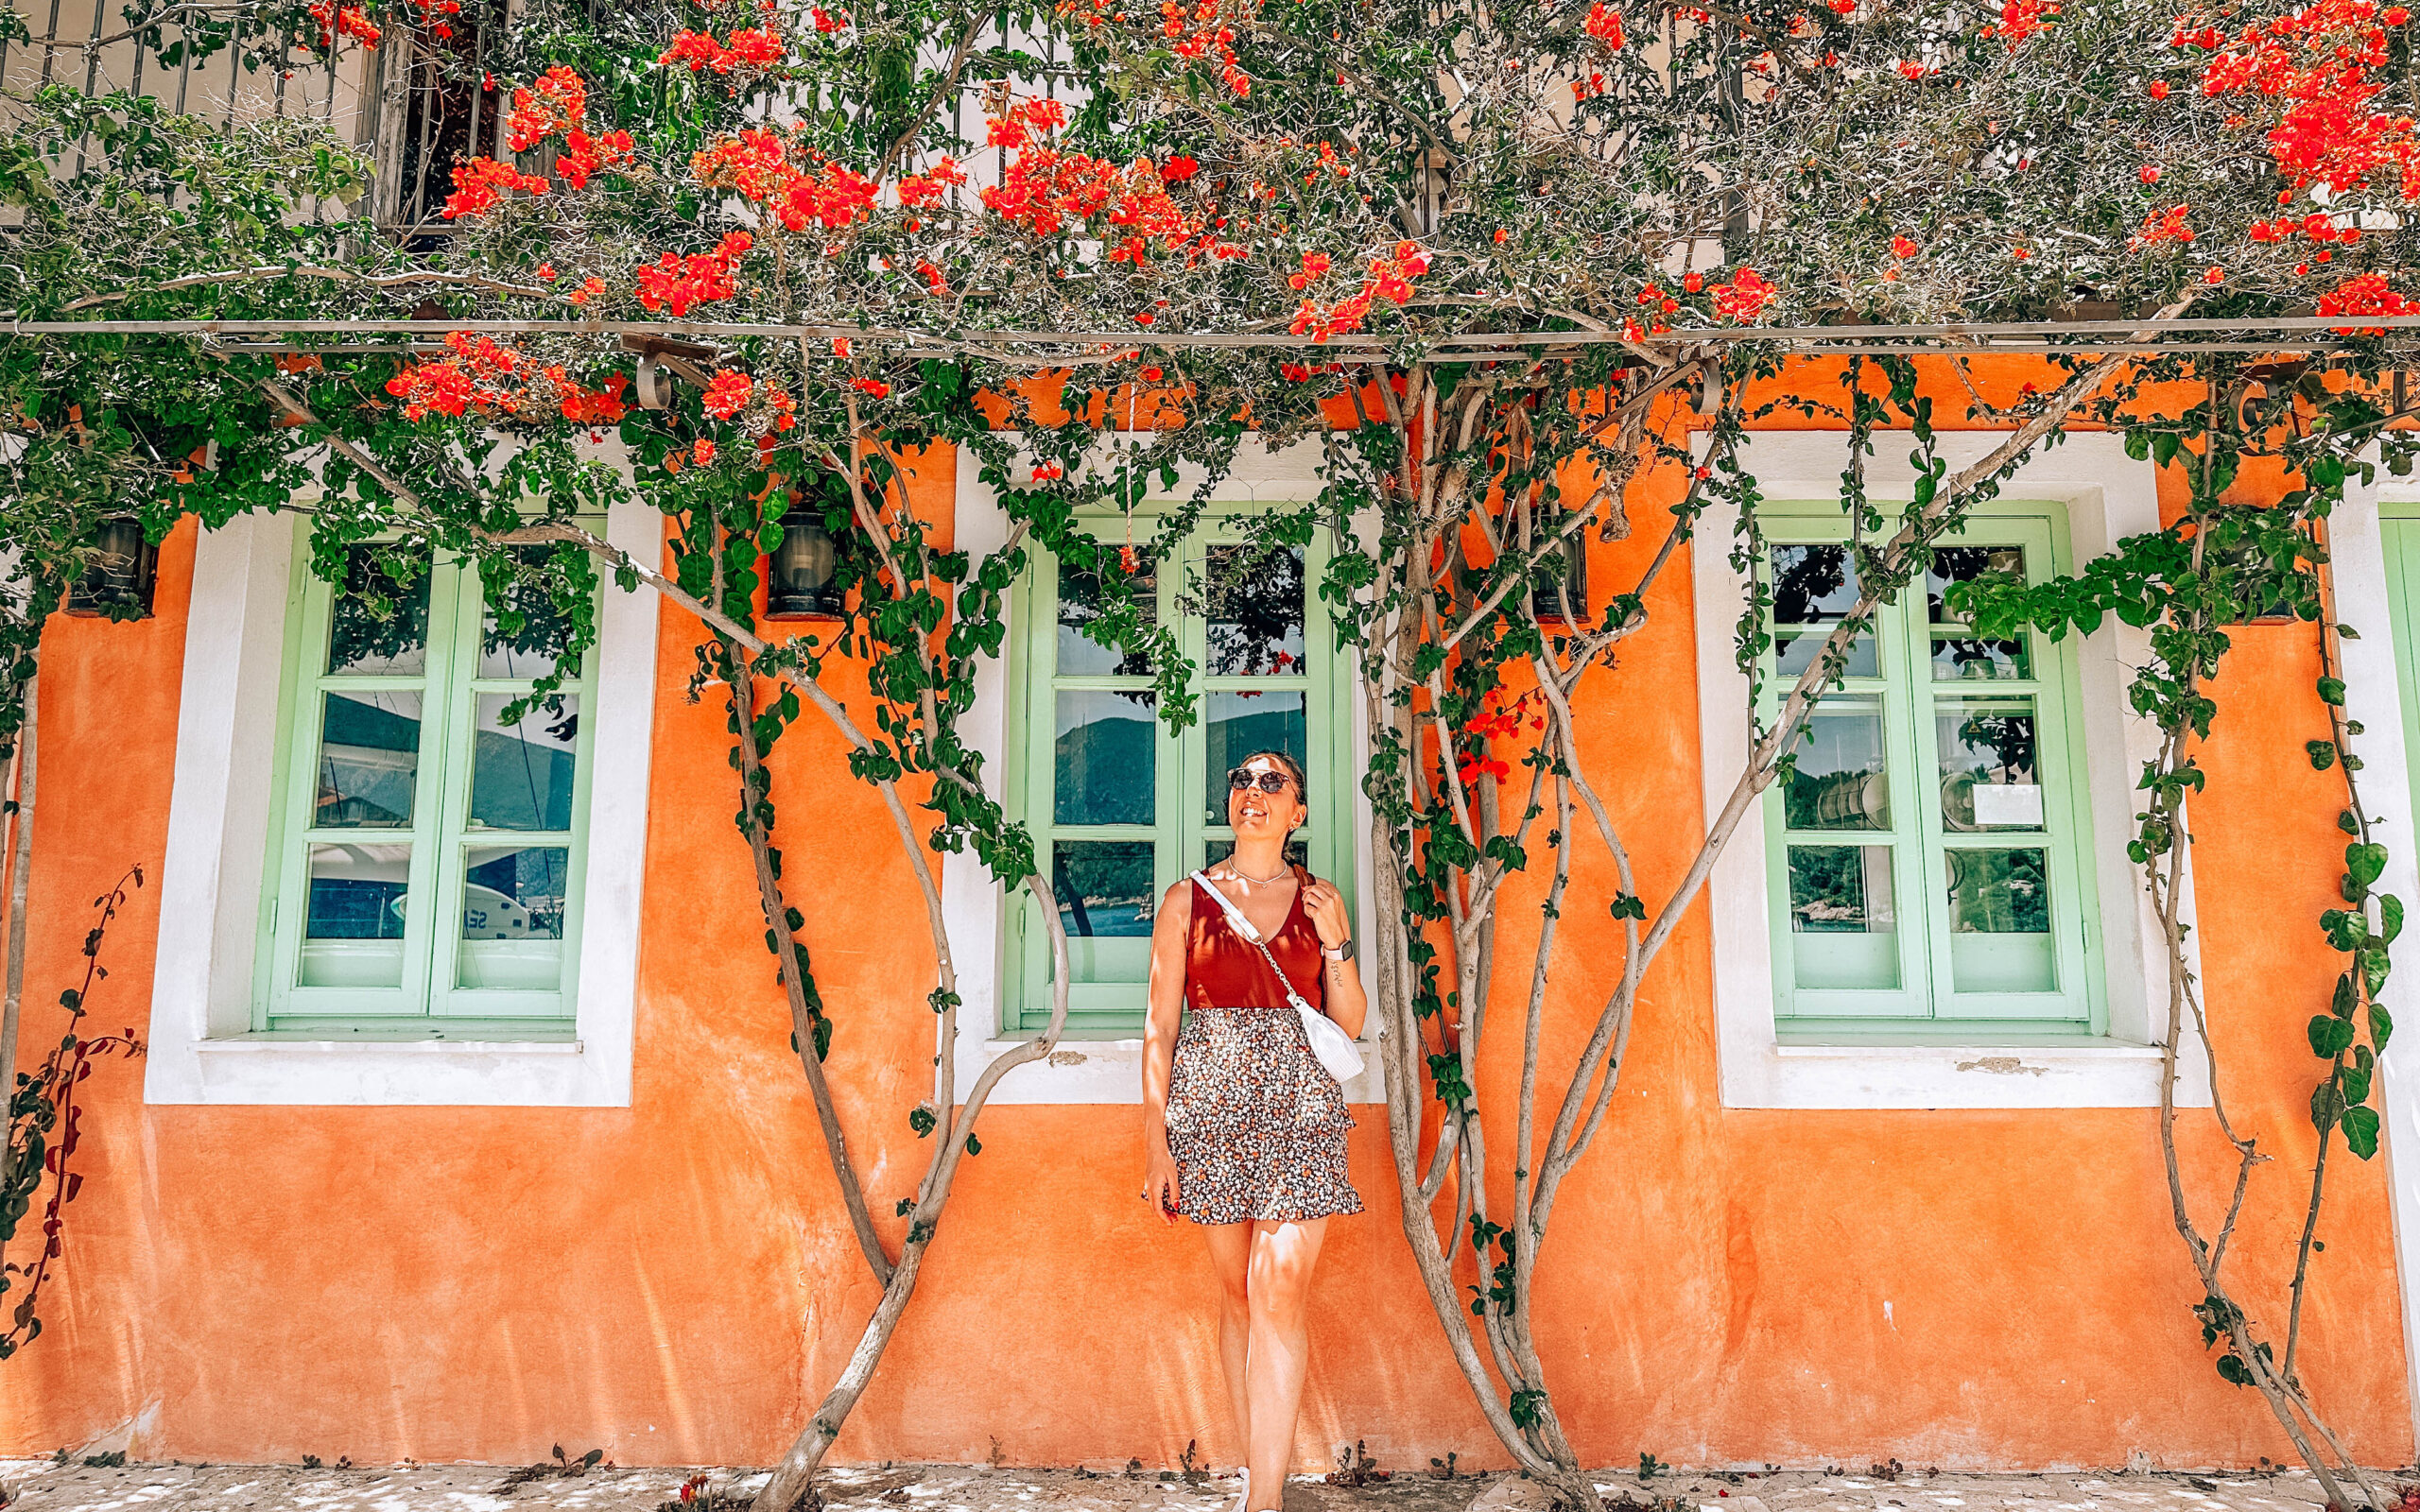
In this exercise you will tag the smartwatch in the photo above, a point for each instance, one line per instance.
(1342, 953)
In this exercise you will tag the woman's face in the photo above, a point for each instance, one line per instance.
(1254, 813)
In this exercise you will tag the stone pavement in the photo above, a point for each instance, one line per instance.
(73, 1485)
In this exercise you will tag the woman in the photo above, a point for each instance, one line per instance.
(1243, 1129)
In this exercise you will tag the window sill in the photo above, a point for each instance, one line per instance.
(2011, 1071)
(268, 1069)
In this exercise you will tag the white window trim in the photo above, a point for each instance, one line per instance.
(2108, 496)
(203, 1048)
(973, 910)
(2374, 696)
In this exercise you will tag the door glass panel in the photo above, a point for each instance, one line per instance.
(1105, 887)
(352, 929)
(1238, 722)
(1253, 601)
(1104, 757)
(1990, 779)
(1843, 928)
(521, 631)
(1815, 586)
(368, 760)
(1081, 596)
(521, 773)
(378, 626)
(1999, 922)
(514, 900)
(1957, 657)
(1839, 782)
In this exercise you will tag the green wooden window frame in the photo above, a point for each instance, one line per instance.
(1101, 825)
(425, 863)
(1967, 904)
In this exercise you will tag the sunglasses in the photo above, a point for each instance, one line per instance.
(1243, 779)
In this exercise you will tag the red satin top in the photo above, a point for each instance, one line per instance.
(1222, 970)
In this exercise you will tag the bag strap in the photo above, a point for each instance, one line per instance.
(1242, 927)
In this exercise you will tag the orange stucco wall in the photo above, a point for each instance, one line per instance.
(674, 1282)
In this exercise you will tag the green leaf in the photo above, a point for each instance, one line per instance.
(2326, 1102)
(2361, 1131)
(2322, 752)
(1627, 906)
(2381, 1025)
(2232, 1370)
(973, 1146)
(2331, 691)
(2345, 996)
(2331, 1036)
(2365, 862)
(2390, 917)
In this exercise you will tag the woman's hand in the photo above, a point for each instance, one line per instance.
(1159, 1180)
(1328, 915)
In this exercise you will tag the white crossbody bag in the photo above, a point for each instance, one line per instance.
(1329, 1042)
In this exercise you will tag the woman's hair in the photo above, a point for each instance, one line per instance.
(1293, 769)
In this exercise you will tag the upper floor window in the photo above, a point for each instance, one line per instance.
(1929, 850)
(426, 853)
(1121, 806)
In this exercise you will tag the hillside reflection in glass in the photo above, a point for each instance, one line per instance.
(1106, 743)
(1814, 588)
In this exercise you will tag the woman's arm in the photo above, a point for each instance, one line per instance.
(1347, 1003)
(1164, 1004)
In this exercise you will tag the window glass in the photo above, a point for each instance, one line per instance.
(1927, 841)
(426, 854)
(1122, 806)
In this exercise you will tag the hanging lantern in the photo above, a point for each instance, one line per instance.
(798, 574)
(117, 578)
(1565, 566)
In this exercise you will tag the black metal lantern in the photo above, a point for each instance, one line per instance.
(1566, 567)
(117, 578)
(798, 574)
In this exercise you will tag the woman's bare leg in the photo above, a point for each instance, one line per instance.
(1231, 1256)
(1283, 1255)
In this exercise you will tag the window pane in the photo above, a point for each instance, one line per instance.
(1989, 780)
(1964, 656)
(1795, 654)
(1812, 585)
(1843, 928)
(368, 760)
(1963, 564)
(1238, 722)
(1253, 602)
(521, 631)
(1105, 756)
(1105, 887)
(352, 930)
(1839, 782)
(378, 626)
(515, 900)
(521, 774)
(1999, 921)
(1081, 597)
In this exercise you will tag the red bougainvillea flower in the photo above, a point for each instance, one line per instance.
(1389, 278)
(2159, 89)
(1902, 247)
(871, 386)
(728, 394)
(2365, 294)
(556, 102)
(2315, 76)
(1745, 297)
(1605, 25)
(2021, 19)
(747, 49)
(828, 21)
(2162, 226)
(343, 21)
(2214, 275)
(478, 374)
(678, 283)
(480, 184)
(704, 451)
(2148, 173)
(1045, 472)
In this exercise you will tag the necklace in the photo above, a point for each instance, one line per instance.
(1250, 881)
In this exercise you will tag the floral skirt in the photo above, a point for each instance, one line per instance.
(1255, 1123)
